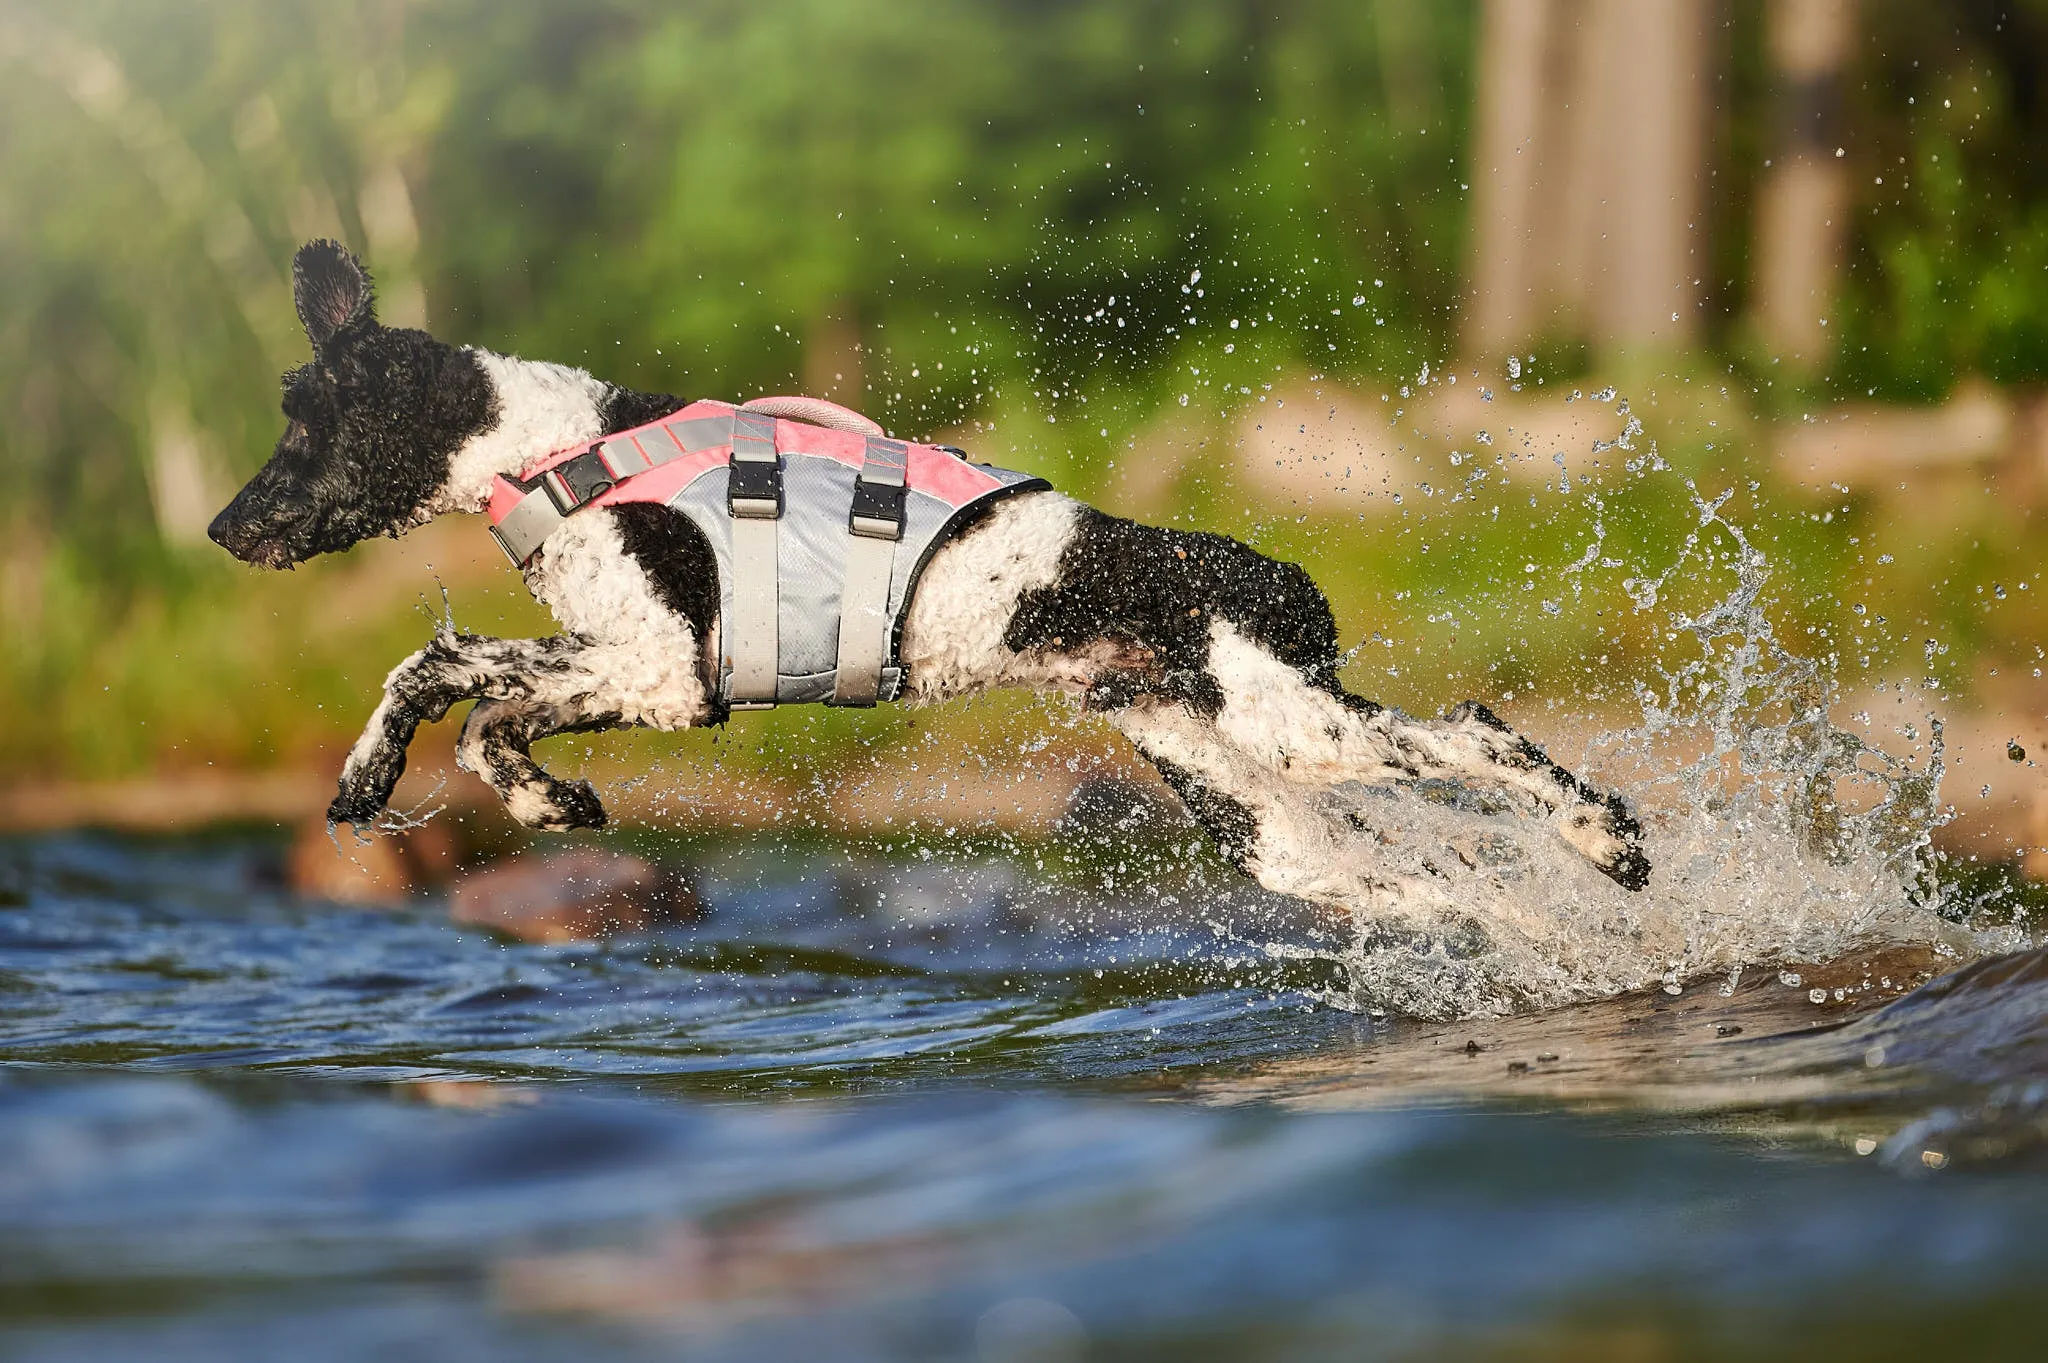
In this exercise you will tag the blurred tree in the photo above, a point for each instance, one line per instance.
(1948, 263)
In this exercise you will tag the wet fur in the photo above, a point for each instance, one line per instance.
(1218, 663)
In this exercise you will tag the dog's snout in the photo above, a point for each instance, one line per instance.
(257, 531)
(227, 531)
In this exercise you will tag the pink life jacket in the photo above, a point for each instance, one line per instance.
(819, 531)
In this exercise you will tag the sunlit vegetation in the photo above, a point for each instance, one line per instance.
(1087, 225)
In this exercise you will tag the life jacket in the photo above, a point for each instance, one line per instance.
(820, 527)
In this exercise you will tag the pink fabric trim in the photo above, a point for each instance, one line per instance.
(931, 470)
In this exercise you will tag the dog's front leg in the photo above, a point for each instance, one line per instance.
(420, 690)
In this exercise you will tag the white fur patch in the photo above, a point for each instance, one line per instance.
(953, 628)
(531, 806)
(541, 408)
(643, 660)
(1295, 849)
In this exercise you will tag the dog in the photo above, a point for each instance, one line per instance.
(1218, 663)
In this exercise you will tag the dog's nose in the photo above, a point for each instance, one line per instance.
(224, 530)
(257, 539)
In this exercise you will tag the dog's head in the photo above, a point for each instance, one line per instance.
(372, 423)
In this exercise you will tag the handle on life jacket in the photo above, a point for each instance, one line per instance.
(816, 411)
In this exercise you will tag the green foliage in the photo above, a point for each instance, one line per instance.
(1948, 275)
(1008, 202)
(1032, 220)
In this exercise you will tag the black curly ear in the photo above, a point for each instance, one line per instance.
(331, 289)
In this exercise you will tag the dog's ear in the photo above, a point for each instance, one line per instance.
(331, 289)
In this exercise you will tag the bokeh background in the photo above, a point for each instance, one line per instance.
(1289, 269)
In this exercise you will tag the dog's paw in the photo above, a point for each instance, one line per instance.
(558, 807)
(1610, 837)
(358, 803)
(367, 779)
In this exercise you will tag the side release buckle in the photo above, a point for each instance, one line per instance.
(753, 489)
(577, 482)
(877, 511)
(878, 490)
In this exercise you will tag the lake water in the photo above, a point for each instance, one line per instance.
(966, 1103)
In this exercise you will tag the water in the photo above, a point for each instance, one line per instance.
(1772, 834)
(973, 1100)
(881, 1106)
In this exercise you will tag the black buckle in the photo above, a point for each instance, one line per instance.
(877, 511)
(753, 489)
(577, 482)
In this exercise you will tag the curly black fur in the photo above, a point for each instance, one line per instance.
(1126, 583)
(372, 423)
(621, 409)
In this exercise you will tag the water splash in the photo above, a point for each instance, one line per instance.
(1775, 835)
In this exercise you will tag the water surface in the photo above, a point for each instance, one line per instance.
(959, 1106)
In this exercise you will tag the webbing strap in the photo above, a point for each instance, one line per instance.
(875, 524)
(565, 489)
(526, 527)
(754, 502)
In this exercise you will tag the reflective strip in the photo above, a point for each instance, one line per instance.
(751, 643)
(701, 433)
(874, 525)
(863, 620)
(623, 456)
(753, 436)
(650, 447)
(526, 527)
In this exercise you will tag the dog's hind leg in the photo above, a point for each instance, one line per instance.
(1321, 734)
(1265, 828)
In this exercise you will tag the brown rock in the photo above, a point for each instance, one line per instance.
(368, 870)
(574, 896)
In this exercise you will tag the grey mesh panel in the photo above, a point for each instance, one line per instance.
(817, 492)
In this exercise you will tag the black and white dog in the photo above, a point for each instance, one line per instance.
(1218, 663)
